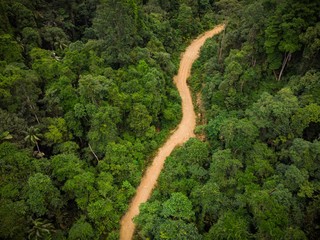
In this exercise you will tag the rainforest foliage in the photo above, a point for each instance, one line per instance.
(257, 173)
(86, 97)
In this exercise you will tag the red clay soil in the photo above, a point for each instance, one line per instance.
(183, 132)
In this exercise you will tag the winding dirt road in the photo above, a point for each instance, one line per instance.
(181, 135)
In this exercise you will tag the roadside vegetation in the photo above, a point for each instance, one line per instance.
(86, 97)
(257, 173)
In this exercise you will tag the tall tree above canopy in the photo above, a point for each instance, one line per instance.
(283, 30)
(117, 24)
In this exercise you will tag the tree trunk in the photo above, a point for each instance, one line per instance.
(275, 74)
(241, 86)
(38, 147)
(287, 58)
(32, 108)
(93, 152)
(34, 113)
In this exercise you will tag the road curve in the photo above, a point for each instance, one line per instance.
(182, 134)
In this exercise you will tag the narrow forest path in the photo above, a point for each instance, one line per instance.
(183, 132)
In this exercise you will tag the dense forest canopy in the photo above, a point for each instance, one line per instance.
(86, 97)
(257, 173)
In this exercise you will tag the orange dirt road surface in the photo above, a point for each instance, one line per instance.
(183, 132)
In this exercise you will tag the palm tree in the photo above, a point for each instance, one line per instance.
(5, 136)
(41, 229)
(33, 136)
